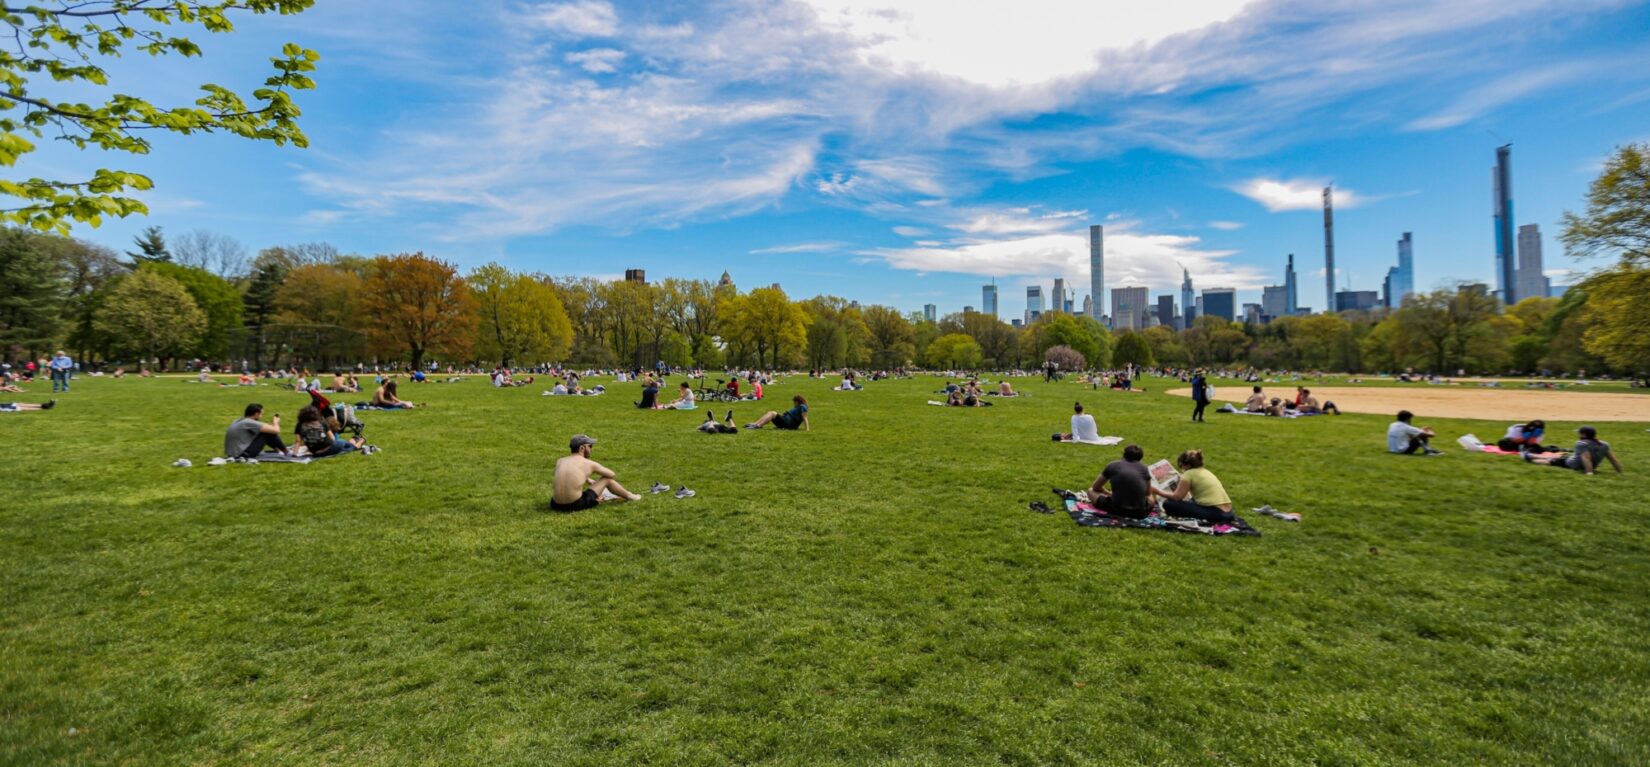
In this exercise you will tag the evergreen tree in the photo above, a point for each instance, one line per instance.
(261, 305)
(151, 248)
(31, 294)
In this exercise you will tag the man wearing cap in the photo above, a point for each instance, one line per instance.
(581, 483)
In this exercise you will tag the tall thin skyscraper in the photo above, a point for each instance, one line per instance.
(988, 299)
(1531, 282)
(1058, 299)
(1034, 302)
(1188, 311)
(1292, 303)
(1329, 248)
(1097, 270)
(1506, 263)
(1400, 279)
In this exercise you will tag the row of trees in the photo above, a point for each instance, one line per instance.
(204, 297)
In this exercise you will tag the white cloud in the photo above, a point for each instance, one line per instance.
(1004, 44)
(582, 18)
(1480, 101)
(1017, 221)
(1280, 195)
(836, 184)
(1225, 226)
(801, 247)
(597, 60)
(910, 231)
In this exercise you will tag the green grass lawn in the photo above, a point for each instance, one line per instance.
(870, 592)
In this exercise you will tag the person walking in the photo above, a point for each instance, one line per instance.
(1200, 395)
(62, 368)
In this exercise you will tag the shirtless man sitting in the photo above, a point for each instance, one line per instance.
(1256, 402)
(581, 483)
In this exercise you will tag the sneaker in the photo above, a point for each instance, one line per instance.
(182, 463)
(660, 487)
(1434, 451)
(49, 404)
(685, 493)
(730, 416)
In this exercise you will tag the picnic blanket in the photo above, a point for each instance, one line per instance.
(1086, 515)
(1100, 441)
(370, 406)
(1286, 413)
(266, 457)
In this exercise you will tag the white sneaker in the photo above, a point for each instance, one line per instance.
(685, 493)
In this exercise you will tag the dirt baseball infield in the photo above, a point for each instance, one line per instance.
(1484, 404)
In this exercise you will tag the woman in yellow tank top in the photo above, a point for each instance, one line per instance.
(1208, 502)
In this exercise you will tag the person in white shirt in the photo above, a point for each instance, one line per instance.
(1405, 438)
(1083, 427)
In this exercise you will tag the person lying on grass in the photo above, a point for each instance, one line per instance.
(318, 436)
(1589, 454)
(250, 436)
(790, 420)
(1131, 486)
(1083, 427)
(685, 399)
(1208, 500)
(710, 426)
(1256, 402)
(20, 407)
(581, 483)
(1526, 438)
(386, 397)
(1405, 438)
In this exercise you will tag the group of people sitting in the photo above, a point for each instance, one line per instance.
(572, 386)
(688, 399)
(971, 394)
(1303, 404)
(504, 377)
(1125, 489)
(316, 434)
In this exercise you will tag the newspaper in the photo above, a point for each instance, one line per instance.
(1164, 477)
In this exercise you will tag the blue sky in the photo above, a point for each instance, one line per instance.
(906, 153)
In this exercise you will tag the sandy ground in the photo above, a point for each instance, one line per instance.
(1486, 404)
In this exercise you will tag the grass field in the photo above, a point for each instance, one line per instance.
(870, 592)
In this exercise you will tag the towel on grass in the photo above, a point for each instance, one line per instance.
(1095, 441)
(266, 458)
(1086, 515)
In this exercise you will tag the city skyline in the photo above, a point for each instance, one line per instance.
(885, 163)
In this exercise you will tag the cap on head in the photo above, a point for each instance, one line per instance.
(578, 441)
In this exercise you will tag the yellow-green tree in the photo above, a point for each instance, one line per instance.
(954, 351)
(521, 319)
(768, 325)
(150, 315)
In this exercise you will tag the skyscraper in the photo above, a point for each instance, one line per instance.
(1329, 248)
(1292, 303)
(636, 275)
(1220, 302)
(1187, 311)
(1057, 300)
(1400, 279)
(1097, 271)
(988, 299)
(1165, 311)
(930, 312)
(1034, 302)
(1129, 307)
(1506, 265)
(1274, 301)
(1531, 282)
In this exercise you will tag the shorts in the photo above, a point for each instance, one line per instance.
(786, 421)
(587, 500)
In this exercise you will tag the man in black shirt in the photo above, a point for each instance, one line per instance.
(1130, 482)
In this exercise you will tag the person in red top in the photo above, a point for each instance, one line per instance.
(733, 386)
(756, 388)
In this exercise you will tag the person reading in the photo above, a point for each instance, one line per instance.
(1083, 427)
(790, 420)
(1405, 438)
(385, 397)
(249, 436)
(1199, 495)
(581, 483)
(1131, 485)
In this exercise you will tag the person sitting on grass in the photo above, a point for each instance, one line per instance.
(1405, 438)
(710, 426)
(581, 483)
(685, 399)
(8, 387)
(1083, 427)
(1208, 502)
(386, 397)
(790, 420)
(249, 436)
(650, 393)
(733, 387)
(1005, 390)
(1256, 402)
(1526, 438)
(1589, 454)
(1275, 407)
(1131, 486)
(1308, 404)
(21, 407)
(318, 436)
(756, 388)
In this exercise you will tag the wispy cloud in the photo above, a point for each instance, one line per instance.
(802, 247)
(1225, 226)
(1279, 195)
(583, 18)
(1480, 101)
(597, 60)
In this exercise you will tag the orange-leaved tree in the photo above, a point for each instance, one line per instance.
(419, 303)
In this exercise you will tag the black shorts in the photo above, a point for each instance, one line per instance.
(786, 421)
(587, 500)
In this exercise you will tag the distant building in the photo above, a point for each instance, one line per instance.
(635, 275)
(1165, 311)
(1097, 272)
(1034, 302)
(1057, 299)
(1220, 302)
(988, 299)
(726, 281)
(1357, 300)
(1531, 282)
(1506, 266)
(1088, 306)
(930, 312)
(775, 286)
(1129, 307)
(1252, 314)
(968, 310)
(1016, 323)
(1293, 302)
(1274, 301)
(1329, 247)
(1400, 279)
(1188, 310)
(1474, 287)
(1557, 291)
